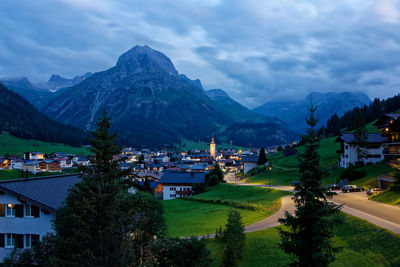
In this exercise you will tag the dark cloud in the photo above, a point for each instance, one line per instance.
(256, 50)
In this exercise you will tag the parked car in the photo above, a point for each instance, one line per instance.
(294, 183)
(372, 191)
(333, 187)
(352, 188)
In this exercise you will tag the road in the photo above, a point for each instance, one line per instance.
(356, 204)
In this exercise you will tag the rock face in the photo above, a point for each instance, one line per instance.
(148, 101)
(294, 113)
(56, 81)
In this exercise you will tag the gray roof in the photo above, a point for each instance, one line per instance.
(250, 159)
(171, 177)
(46, 192)
(371, 138)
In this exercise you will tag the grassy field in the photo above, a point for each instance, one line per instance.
(389, 197)
(189, 218)
(15, 174)
(17, 146)
(285, 168)
(364, 245)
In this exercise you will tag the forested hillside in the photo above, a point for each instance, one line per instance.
(22, 119)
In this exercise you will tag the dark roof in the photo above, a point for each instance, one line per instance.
(385, 117)
(371, 138)
(250, 159)
(153, 184)
(47, 192)
(175, 177)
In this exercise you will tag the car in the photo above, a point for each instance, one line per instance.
(372, 191)
(352, 188)
(333, 187)
(294, 183)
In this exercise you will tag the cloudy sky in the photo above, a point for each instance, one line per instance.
(256, 50)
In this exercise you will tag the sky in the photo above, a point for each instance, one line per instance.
(257, 51)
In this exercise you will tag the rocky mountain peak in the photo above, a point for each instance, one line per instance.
(143, 58)
(216, 93)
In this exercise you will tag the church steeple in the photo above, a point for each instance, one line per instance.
(212, 148)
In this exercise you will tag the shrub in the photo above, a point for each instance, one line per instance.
(351, 173)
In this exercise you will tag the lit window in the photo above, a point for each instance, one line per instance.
(28, 211)
(10, 240)
(10, 210)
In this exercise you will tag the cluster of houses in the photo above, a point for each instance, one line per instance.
(36, 162)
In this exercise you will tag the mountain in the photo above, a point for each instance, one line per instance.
(294, 113)
(227, 105)
(56, 81)
(34, 94)
(22, 119)
(150, 103)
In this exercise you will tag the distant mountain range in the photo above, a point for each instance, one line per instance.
(21, 119)
(294, 113)
(151, 104)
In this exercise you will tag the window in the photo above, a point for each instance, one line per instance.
(172, 189)
(347, 146)
(28, 241)
(28, 210)
(10, 210)
(10, 240)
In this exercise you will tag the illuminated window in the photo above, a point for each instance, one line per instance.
(10, 210)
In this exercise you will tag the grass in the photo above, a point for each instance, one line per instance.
(364, 245)
(285, 168)
(191, 218)
(391, 197)
(17, 146)
(15, 174)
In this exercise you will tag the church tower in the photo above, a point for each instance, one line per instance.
(212, 148)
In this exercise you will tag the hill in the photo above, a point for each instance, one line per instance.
(150, 103)
(294, 112)
(23, 120)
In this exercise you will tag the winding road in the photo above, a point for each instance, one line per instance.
(356, 204)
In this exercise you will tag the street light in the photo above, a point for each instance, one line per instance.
(270, 169)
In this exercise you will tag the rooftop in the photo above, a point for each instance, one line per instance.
(170, 177)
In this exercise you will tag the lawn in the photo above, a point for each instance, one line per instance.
(17, 146)
(364, 245)
(15, 174)
(389, 197)
(285, 168)
(191, 218)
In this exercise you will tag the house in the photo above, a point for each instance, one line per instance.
(16, 163)
(65, 162)
(4, 163)
(28, 207)
(178, 184)
(373, 151)
(47, 165)
(389, 126)
(80, 160)
(249, 163)
(203, 167)
(32, 166)
(34, 156)
(385, 181)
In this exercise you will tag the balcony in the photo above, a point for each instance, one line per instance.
(187, 193)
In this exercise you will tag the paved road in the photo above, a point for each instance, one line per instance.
(356, 204)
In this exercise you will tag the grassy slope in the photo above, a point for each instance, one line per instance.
(15, 174)
(285, 168)
(389, 197)
(16, 146)
(187, 218)
(364, 245)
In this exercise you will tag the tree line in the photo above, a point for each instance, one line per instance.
(369, 112)
(21, 119)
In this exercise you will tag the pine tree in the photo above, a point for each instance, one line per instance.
(229, 257)
(311, 227)
(101, 223)
(234, 232)
(262, 157)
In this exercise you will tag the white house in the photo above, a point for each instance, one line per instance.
(249, 163)
(80, 160)
(34, 156)
(16, 164)
(373, 150)
(27, 208)
(174, 184)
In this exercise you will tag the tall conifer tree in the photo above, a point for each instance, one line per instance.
(310, 231)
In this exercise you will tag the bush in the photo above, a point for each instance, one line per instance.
(351, 173)
(212, 180)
